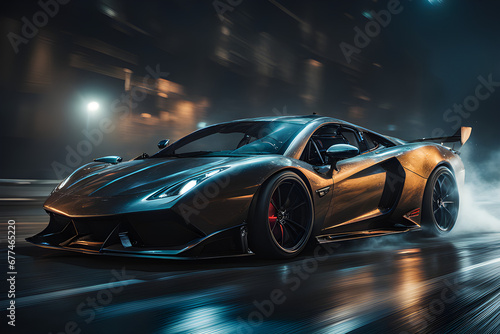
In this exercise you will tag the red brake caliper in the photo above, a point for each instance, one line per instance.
(273, 221)
(272, 215)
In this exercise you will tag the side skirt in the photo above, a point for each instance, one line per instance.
(363, 234)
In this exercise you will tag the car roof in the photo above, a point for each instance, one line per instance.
(308, 119)
(305, 119)
(302, 119)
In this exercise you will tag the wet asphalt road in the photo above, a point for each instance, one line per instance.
(382, 285)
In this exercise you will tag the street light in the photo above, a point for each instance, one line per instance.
(92, 107)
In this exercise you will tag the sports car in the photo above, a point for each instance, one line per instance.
(267, 186)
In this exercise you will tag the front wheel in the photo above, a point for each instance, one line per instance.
(282, 220)
(440, 202)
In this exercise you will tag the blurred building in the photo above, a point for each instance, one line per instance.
(171, 66)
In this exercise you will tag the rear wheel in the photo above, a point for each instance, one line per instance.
(282, 220)
(440, 202)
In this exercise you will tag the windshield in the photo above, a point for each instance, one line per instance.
(235, 138)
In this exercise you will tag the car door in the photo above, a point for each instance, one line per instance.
(358, 187)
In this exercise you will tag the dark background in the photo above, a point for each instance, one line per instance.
(259, 58)
(264, 58)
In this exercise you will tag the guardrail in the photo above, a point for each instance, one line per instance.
(14, 191)
(11, 182)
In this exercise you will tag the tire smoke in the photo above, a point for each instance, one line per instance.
(480, 198)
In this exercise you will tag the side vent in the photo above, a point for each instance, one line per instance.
(394, 183)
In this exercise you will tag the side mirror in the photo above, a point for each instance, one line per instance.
(111, 159)
(341, 151)
(163, 143)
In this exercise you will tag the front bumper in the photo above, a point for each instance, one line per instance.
(154, 234)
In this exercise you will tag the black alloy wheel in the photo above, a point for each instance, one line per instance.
(440, 203)
(282, 221)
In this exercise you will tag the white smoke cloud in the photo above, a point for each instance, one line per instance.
(480, 198)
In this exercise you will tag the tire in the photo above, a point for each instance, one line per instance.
(440, 203)
(282, 217)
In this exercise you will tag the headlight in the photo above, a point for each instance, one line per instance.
(185, 186)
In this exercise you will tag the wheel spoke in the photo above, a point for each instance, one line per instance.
(288, 199)
(279, 198)
(286, 234)
(446, 210)
(275, 224)
(451, 189)
(291, 228)
(447, 218)
(296, 206)
(272, 202)
(446, 191)
(450, 194)
(437, 188)
(439, 214)
(295, 223)
(282, 238)
(440, 184)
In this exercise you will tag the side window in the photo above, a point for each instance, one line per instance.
(370, 145)
(311, 154)
(326, 136)
(374, 141)
(351, 137)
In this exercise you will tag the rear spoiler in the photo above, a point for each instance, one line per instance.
(462, 135)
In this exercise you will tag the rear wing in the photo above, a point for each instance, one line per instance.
(461, 136)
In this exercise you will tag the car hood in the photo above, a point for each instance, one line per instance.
(137, 176)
